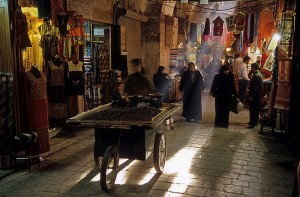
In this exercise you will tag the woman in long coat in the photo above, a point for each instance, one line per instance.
(192, 84)
(223, 88)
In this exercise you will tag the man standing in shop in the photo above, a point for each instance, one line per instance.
(243, 81)
(237, 61)
(136, 83)
(255, 86)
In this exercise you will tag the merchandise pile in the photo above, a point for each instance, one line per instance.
(131, 114)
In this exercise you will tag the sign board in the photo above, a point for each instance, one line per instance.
(203, 2)
(98, 31)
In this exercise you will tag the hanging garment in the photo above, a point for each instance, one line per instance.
(56, 91)
(49, 44)
(246, 33)
(37, 109)
(76, 32)
(62, 21)
(21, 38)
(206, 31)
(33, 55)
(251, 29)
(255, 31)
(227, 38)
(75, 78)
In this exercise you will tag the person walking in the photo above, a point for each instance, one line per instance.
(136, 83)
(243, 78)
(161, 82)
(192, 84)
(223, 88)
(255, 87)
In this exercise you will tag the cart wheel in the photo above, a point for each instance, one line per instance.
(109, 168)
(160, 152)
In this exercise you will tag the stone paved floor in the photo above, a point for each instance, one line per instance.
(202, 161)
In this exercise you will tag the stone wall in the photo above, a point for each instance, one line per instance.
(94, 10)
(164, 49)
(133, 39)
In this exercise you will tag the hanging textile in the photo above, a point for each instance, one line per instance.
(33, 55)
(245, 37)
(64, 49)
(251, 29)
(49, 44)
(7, 132)
(21, 38)
(62, 22)
(248, 18)
(228, 38)
(76, 32)
(56, 89)
(206, 32)
(255, 31)
(282, 100)
(75, 78)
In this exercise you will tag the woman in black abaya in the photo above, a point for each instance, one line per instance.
(223, 88)
(192, 84)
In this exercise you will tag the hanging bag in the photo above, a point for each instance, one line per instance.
(236, 105)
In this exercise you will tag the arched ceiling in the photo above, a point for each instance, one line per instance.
(197, 12)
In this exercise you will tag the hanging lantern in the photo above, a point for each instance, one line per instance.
(218, 26)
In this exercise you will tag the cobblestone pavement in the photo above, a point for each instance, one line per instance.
(202, 161)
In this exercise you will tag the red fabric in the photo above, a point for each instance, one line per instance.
(284, 70)
(245, 32)
(266, 27)
(282, 100)
(228, 36)
(37, 109)
(264, 58)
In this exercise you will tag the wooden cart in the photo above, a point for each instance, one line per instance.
(126, 139)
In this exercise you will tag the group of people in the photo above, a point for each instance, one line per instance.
(192, 84)
(224, 90)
